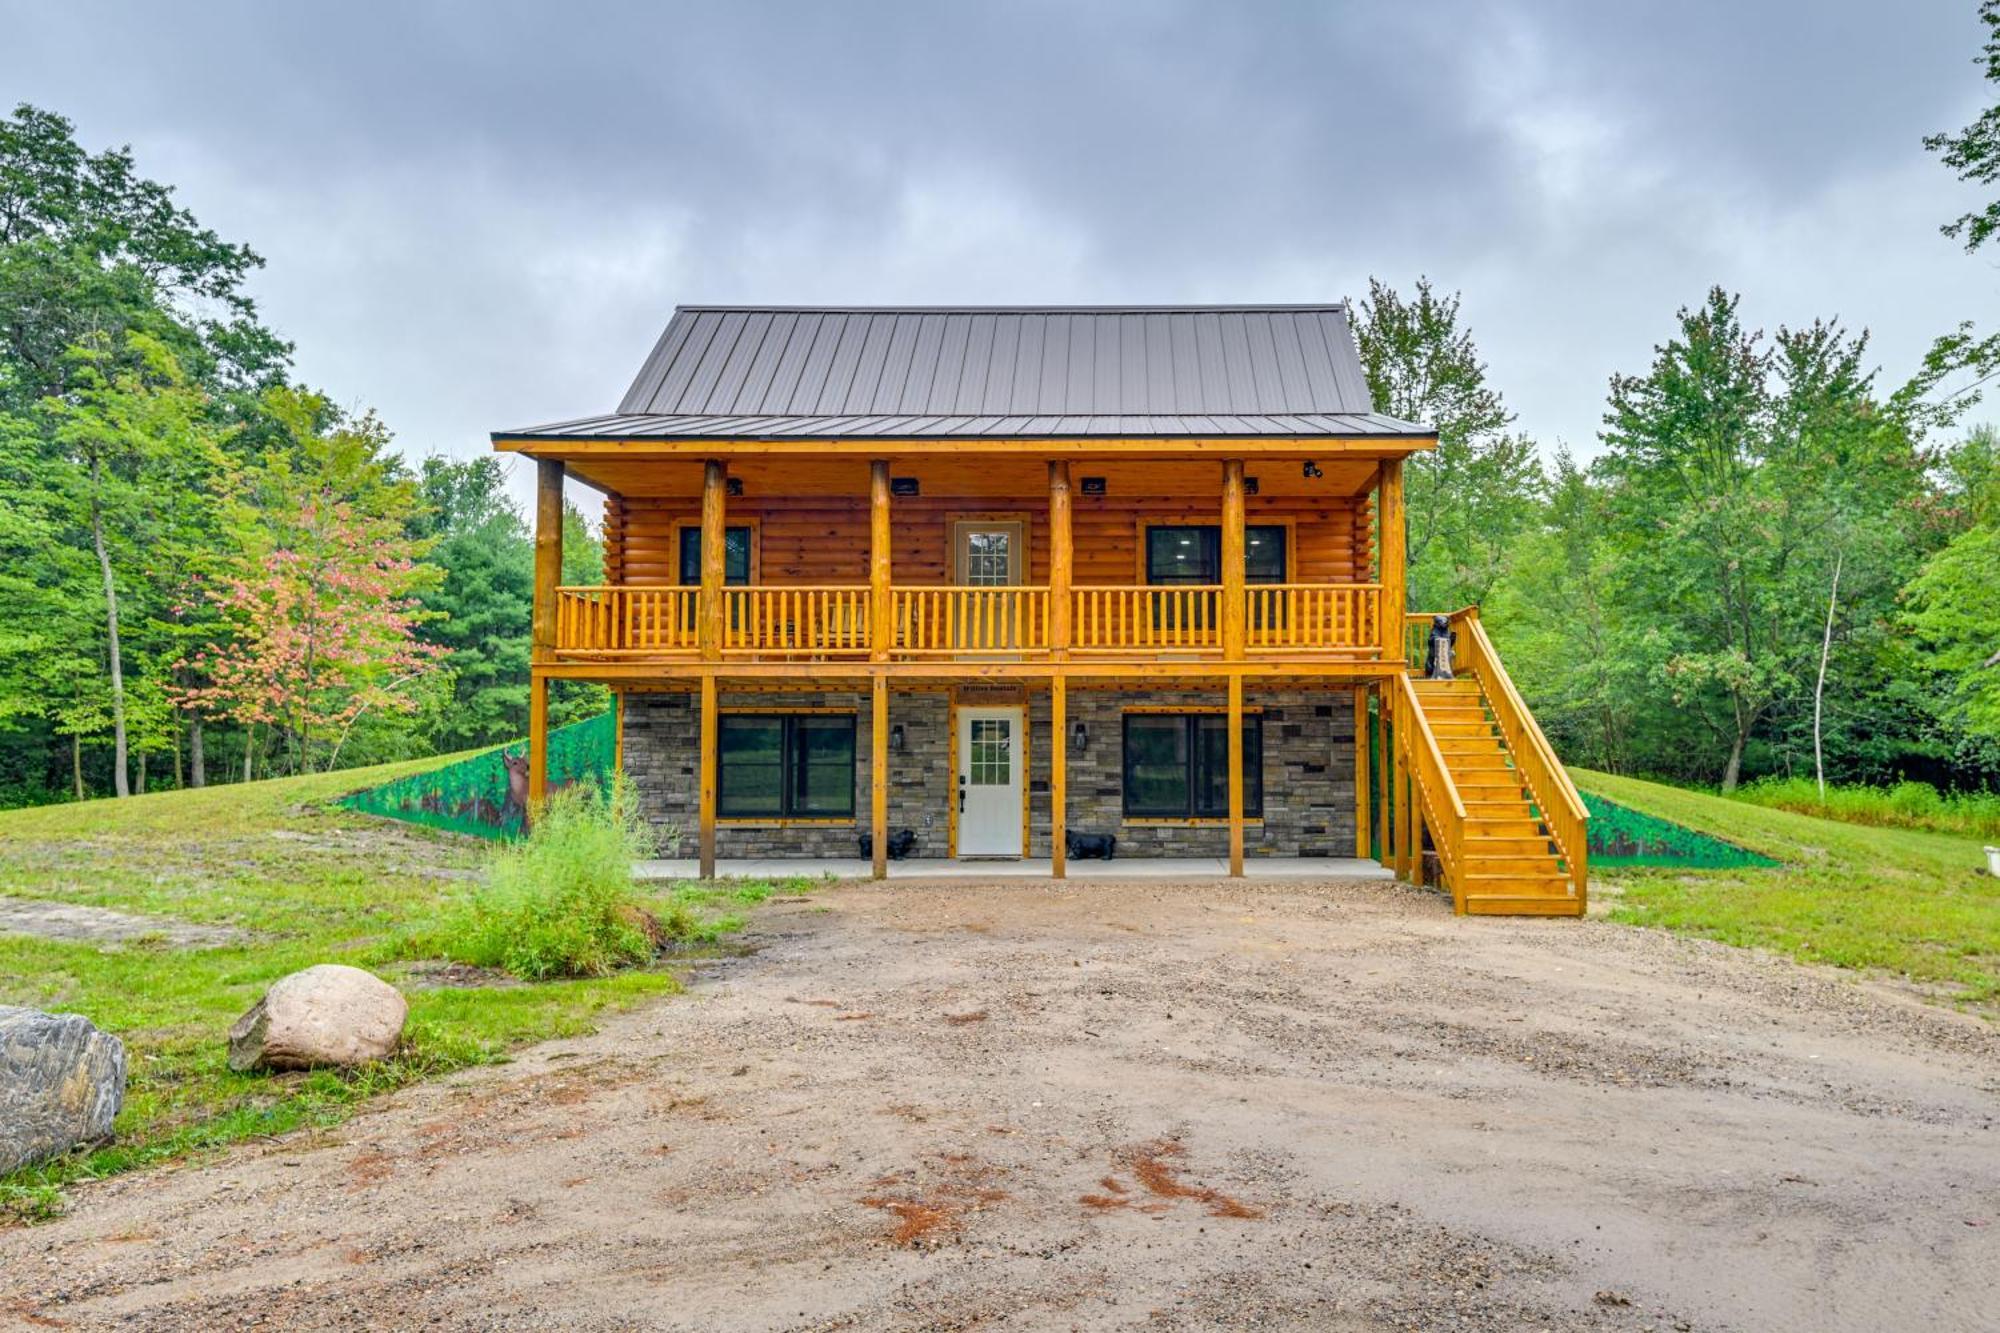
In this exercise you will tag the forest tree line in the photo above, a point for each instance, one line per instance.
(1773, 562)
(209, 570)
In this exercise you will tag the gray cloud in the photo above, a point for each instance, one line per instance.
(479, 215)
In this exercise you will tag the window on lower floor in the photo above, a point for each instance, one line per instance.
(785, 766)
(1177, 766)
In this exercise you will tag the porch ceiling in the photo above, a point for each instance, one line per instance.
(1014, 477)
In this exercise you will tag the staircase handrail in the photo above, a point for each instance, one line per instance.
(1423, 756)
(1562, 807)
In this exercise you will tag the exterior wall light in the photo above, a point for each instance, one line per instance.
(902, 485)
(1312, 470)
(734, 486)
(1093, 485)
(1079, 736)
(896, 737)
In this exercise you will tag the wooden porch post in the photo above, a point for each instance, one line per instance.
(1236, 774)
(879, 593)
(714, 545)
(1388, 766)
(1059, 775)
(1390, 543)
(1413, 829)
(548, 575)
(1361, 771)
(878, 775)
(1059, 559)
(1059, 637)
(1399, 814)
(1232, 560)
(538, 743)
(709, 740)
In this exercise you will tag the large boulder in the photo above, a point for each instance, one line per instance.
(61, 1084)
(326, 1015)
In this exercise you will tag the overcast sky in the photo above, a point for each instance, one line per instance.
(479, 216)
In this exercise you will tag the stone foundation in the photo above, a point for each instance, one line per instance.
(1308, 774)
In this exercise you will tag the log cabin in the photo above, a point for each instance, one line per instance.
(1013, 582)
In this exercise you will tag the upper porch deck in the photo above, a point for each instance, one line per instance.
(924, 563)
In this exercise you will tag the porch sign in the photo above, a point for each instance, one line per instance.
(487, 794)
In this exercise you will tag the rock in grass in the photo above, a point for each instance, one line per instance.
(61, 1084)
(325, 1015)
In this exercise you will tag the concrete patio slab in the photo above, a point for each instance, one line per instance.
(1291, 868)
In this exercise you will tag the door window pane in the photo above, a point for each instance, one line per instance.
(989, 557)
(990, 763)
(1211, 769)
(1183, 555)
(735, 556)
(1264, 553)
(1193, 554)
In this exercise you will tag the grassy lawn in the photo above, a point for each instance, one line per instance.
(309, 883)
(1916, 904)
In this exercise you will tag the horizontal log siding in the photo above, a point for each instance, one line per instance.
(822, 540)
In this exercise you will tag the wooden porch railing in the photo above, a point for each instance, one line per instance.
(1535, 759)
(1151, 617)
(786, 620)
(948, 620)
(626, 619)
(1313, 616)
(1443, 811)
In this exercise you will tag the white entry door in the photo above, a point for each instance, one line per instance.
(990, 781)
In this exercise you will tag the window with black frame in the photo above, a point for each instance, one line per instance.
(736, 545)
(1177, 766)
(785, 766)
(1181, 555)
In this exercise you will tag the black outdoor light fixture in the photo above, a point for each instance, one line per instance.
(896, 737)
(902, 485)
(1093, 485)
(1312, 470)
(1079, 735)
(1249, 485)
(734, 486)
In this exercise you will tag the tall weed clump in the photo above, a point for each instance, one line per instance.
(1916, 805)
(560, 902)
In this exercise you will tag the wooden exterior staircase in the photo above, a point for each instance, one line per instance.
(1508, 827)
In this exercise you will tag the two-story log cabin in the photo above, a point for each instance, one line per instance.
(979, 581)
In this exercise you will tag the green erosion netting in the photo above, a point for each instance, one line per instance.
(1622, 836)
(487, 794)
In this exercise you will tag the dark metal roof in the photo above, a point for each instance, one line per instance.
(620, 426)
(1025, 371)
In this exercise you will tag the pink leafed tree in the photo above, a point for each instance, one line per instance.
(322, 631)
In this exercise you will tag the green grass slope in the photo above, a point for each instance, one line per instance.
(1919, 905)
(306, 882)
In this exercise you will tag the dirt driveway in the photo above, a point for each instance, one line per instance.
(1123, 1105)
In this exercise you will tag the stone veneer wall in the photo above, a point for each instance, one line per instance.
(1308, 774)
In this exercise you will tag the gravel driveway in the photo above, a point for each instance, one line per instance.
(1123, 1105)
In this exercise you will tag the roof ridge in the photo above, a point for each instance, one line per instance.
(1183, 309)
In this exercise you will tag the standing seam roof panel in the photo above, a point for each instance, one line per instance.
(1094, 363)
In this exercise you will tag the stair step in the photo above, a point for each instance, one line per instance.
(1480, 848)
(1521, 826)
(1515, 885)
(1500, 904)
